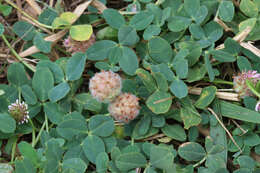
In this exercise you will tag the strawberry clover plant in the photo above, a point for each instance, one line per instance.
(156, 87)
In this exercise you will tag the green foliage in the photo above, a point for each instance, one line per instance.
(81, 32)
(159, 102)
(191, 151)
(206, 97)
(162, 50)
(93, 146)
(8, 124)
(130, 160)
(59, 92)
(24, 30)
(75, 66)
(2, 29)
(114, 18)
(65, 19)
(41, 44)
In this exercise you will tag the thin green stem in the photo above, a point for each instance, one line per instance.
(13, 150)
(33, 132)
(46, 123)
(250, 85)
(16, 54)
(28, 16)
(219, 81)
(200, 162)
(39, 135)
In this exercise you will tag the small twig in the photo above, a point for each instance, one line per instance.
(251, 47)
(16, 55)
(244, 131)
(19, 4)
(35, 6)
(51, 3)
(99, 5)
(231, 90)
(242, 35)
(27, 15)
(203, 131)
(35, 24)
(154, 137)
(255, 156)
(221, 23)
(128, 12)
(56, 37)
(5, 55)
(223, 126)
(235, 3)
(222, 95)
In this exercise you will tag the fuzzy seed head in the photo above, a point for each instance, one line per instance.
(74, 46)
(19, 111)
(239, 82)
(125, 107)
(105, 86)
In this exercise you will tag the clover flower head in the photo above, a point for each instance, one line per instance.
(240, 85)
(125, 107)
(105, 86)
(19, 111)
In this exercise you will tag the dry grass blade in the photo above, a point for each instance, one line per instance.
(35, 6)
(243, 130)
(35, 24)
(251, 47)
(154, 137)
(239, 37)
(242, 35)
(4, 56)
(221, 95)
(56, 37)
(81, 8)
(221, 23)
(53, 38)
(98, 5)
(224, 127)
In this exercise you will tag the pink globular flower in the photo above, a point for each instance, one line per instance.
(125, 107)
(239, 82)
(74, 46)
(19, 111)
(105, 86)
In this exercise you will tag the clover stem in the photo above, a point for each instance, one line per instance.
(46, 123)
(250, 85)
(33, 132)
(219, 81)
(28, 16)
(13, 149)
(200, 162)
(16, 54)
(39, 134)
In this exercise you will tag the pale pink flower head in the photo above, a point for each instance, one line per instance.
(105, 86)
(125, 107)
(19, 111)
(239, 82)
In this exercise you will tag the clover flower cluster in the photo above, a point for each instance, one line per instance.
(240, 85)
(105, 87)
(19, 111)
(74, 46)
